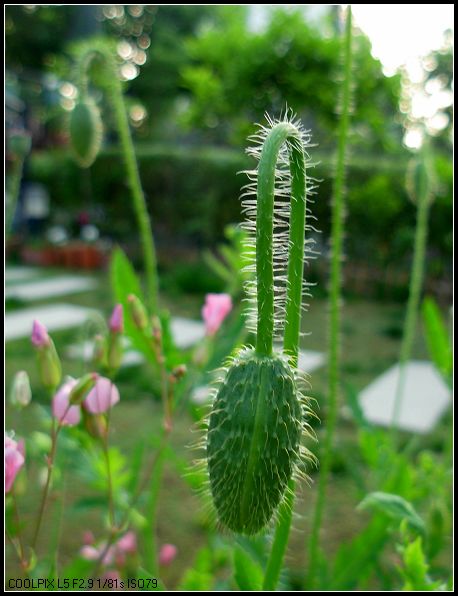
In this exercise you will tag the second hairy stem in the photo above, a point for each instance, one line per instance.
(281, 133)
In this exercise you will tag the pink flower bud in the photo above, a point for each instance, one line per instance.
(61, 409)
(128, 543)
(215, 310)
(112, 579)
(167, 554)
(103, 396)
(88, 537)
(14, 460)
(40, 335)
(117, 321)
(93, 553)
(21, 393)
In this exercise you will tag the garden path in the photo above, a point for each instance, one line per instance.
(63, 285)
(20, 284)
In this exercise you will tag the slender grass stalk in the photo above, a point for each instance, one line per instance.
(113, 86)
(421, 189)
(334, 302)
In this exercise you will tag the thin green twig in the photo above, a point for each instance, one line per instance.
(334, 301)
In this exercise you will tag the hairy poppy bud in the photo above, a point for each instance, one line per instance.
(86, 131)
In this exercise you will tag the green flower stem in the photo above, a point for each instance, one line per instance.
(13, 194)
(335, 300)
(44, 499)
(114, 89)
(149, 251)
(106, 453)
(280, 133)
(416, 282)
(155, 484)
(17, 521)
(280, 542)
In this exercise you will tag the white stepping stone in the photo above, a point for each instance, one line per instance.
(50, 288)
(15, 274)
(18, 324)
(186, 332)
(308, 361)
(425, 398)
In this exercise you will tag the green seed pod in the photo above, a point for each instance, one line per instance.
(86, 131)
(20, 143)
(420, 178)
(253, 440)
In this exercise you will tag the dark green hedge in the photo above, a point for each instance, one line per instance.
(192, 193)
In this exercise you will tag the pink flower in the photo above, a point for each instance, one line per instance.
(112, 579)
(117, 321)
(40, 335)
(14, 460)
(88, 537)
(167, 554)
(215, 310)
(103, 396)
(61, 409)
(114, 554)
(93, 553)
(128, 543)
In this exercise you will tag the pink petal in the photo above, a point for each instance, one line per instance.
(128, 543)
(103, 396)
(215, 310)
(69, 416)
(167, 554)
(14, 460)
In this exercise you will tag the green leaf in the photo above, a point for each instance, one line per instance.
(415, 570)
(247, 573)
(200, 577)
(356, 410)
(394, 507)
(437, 338)
(124, 281)
(217, 267)
(91, 503)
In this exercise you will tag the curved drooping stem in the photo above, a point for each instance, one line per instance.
(114, 89)
(283, 132)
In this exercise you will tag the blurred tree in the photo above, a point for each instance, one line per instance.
(35, 34)
(237, 74)
(155, 35)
